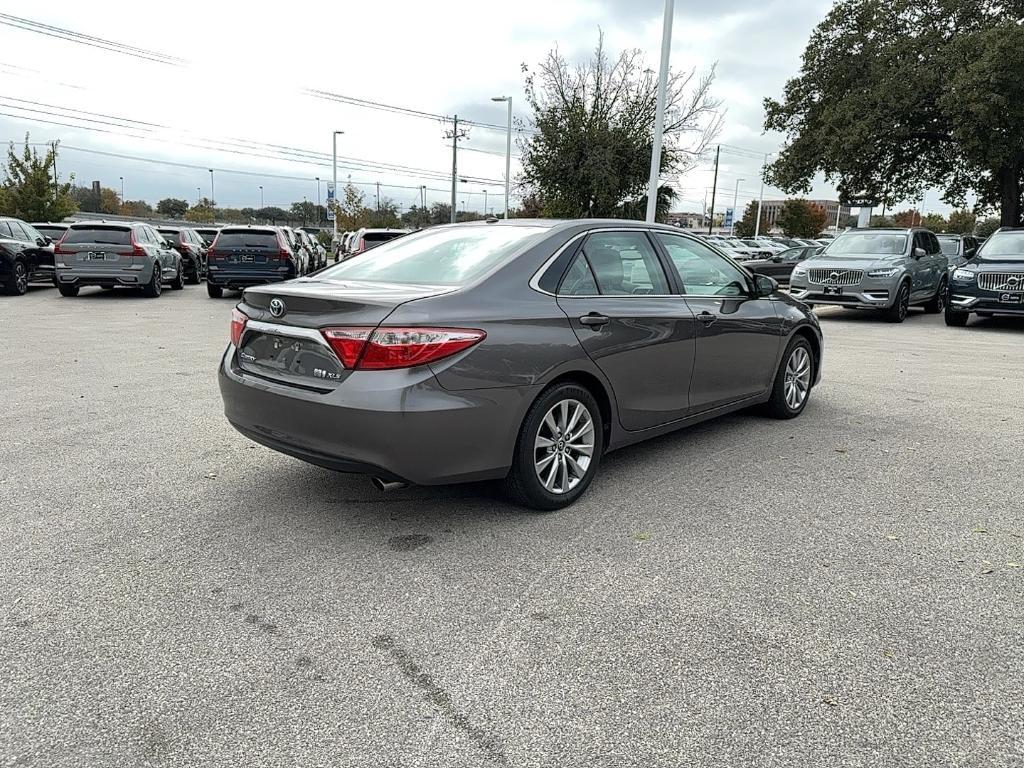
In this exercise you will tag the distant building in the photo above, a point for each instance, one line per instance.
(686, 220)
(772, 209)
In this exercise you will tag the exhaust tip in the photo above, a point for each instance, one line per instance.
(388, 485)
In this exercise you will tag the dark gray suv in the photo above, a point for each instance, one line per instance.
(111, 255)
(887, 269)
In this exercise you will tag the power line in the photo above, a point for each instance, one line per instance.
(71, 36)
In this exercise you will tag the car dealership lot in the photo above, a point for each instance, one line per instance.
(840, 589)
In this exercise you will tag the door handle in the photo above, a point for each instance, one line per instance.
(707, 318)
(594, 320)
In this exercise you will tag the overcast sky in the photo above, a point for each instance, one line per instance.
(244, 78)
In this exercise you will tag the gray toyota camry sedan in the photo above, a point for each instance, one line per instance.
(519, 350)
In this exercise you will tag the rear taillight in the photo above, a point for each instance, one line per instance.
(238, 321)
(388, 348)
(283, 255)
(212, 255)
(58, 251)
(360, 245)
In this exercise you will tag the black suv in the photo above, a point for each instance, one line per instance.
(25, 256)
(990, 283)
(244, 256)
(192, 249)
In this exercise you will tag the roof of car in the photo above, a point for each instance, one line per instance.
(899, 230)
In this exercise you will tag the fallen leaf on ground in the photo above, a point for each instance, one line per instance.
(830, 702)
(1013, 565)
(893, 537)
(840, 450)
(980, 530)
(642, 536)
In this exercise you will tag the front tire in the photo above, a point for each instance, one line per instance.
(897, 313)
(18, 286)
(214, 291)
(178, 283)
(938, 301)
(793, 381)
(956, 319)
(195, 276)
(558, 450)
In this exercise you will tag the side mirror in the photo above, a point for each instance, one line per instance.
(43, 241)
(919, 253)
(777, 259)
(969, 254)
(764, 286)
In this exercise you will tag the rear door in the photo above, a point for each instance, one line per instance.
(635, 328)
(738, 337)
(98, 248)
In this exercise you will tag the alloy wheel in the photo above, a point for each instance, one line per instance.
(798, 378)
(20, 277)
(564, 446)
(904, 300)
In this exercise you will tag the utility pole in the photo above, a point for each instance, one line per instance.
(335, 142)
(454, 134)
(760, 198)
(714, 188)
(659, 116)
(378, 197)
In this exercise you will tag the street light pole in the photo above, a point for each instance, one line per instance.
(485, 203)
(335, 141)
(213, 200)
(760, 197)
(508, 149)
(262, 206)
(122, 190)
(735, 198)
(318, 202)
(659, 116)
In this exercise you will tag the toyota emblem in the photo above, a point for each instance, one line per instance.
(277, 308)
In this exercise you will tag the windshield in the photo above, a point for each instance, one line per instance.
(855, 244)
(1003, 246)
(950, 245)
(103, 235)
(453, 256)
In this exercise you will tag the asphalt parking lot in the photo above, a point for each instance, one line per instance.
(842, 589)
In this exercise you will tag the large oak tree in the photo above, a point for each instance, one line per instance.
(896, 96)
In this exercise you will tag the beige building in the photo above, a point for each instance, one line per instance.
(771, 209)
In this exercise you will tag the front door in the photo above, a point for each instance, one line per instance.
(632, 325)
(738, 336)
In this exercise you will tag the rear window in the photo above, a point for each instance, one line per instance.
(169, 234)
(381, 237)
(246, 238)
(949, 245)
(453, 256)
(53, 232)
(104, 235)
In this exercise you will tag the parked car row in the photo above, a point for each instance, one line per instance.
(138, 255)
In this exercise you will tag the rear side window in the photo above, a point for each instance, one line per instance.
(18, 232)
(625, 264)
(579, 280)
(245, 238)
(52, 232)
(168, 235)
(5, 229)
(104, 235)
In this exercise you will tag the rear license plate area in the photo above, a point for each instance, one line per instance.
(293, 360)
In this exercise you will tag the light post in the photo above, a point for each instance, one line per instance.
(262, 206)
(318, 202)
(485, 204)
(213, 200)
(122, 189)
(199, 195)
(735, 198)
(659, 115)
(508, 150)
(334, 138)
(760, 197)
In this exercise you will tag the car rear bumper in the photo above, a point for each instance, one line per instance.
(107, 278)
(399, 425)
(238, 279)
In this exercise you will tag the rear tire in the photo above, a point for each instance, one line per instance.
(18, 286)
(214, 291)
(897, 313)
(938, 301)
(793, 381)
(68, 290)
(155, 285)
(562, 425)
(194, 275)
(956, 319)
(178, 283)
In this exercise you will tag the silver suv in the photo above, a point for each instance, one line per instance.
(131, 255)
(887, 269)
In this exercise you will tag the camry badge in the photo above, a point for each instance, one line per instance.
(277, 308)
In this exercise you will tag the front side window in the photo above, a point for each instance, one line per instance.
(703, 272)
(625, 264)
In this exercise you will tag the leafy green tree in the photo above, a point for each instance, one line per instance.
(590, 153)
(936, 222)
(273, 215)
(138, 208)
(172, 207)
(746, 226)
(986, 227)
(202, 212)
(801, 218)
(29, 189)
(896, 96)
(881, 221)
(907, 218)
(962, 222)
